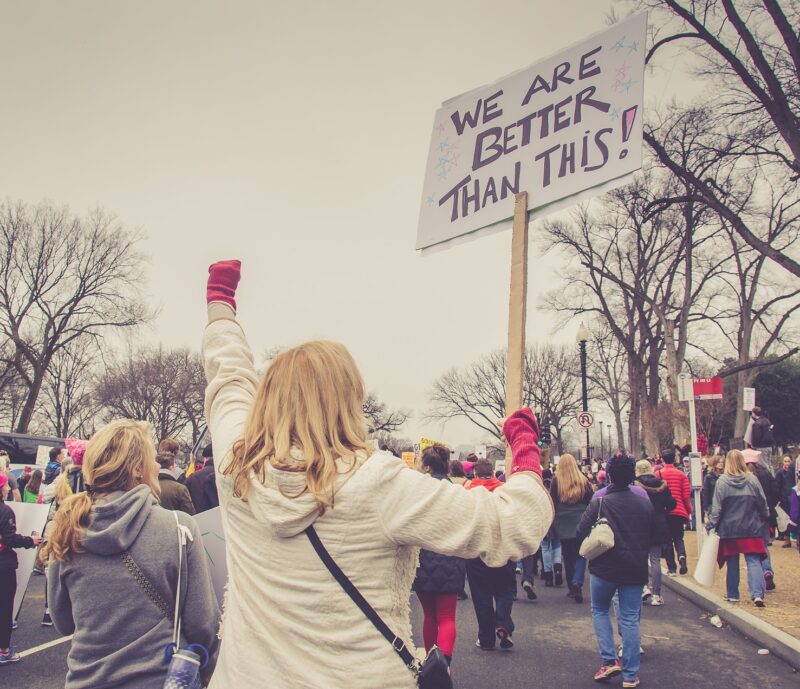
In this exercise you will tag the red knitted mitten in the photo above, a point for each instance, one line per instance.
(522, 432)
(223, 278)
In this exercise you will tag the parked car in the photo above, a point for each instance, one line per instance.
(24, 450)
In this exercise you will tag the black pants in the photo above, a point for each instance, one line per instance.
(8, 589)
(492, 590)
(675, 524)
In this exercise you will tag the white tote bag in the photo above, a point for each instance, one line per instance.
(707, 562)
(783, 518)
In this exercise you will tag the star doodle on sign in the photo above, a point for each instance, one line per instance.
(429, 200)
(614, 113)
(440, 129)
(442, 175)
(622, 71)
(443, 145)
(617, 85)
(633, 47)
(619, 45)
(629, 84)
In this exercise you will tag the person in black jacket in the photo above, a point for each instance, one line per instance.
(622, 570)
(784, 482)
(715, 466)
(202, 484)
(754, 460)
(663, 503)
(440, 578)
(9, 539)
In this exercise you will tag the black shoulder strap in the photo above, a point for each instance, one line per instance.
(397, 643)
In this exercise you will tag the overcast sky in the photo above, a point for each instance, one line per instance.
(293, 136)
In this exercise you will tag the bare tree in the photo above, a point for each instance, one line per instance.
(62, 278)
(607, 373)
(67, 404)
(381, 419)
(551, 384)
(749, 52)
(155, 385)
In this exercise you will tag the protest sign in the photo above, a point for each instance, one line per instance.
(210, 523)
(30, 518)
(563, 129)
(409, 458)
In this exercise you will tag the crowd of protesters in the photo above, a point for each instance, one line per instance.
(316, 520)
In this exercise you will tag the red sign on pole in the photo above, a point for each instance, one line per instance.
(707, 388)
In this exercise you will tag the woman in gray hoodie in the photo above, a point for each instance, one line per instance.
(113, 572)
(738, 514)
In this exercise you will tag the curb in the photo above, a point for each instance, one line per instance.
(778, 642)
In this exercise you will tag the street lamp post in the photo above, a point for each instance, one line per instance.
(602, 444)
(630, 434)
(582, 337)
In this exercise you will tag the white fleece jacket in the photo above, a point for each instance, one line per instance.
(287, 624)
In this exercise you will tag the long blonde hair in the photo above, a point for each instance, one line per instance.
(310, 399)
(735, 464)
(119, 456)
(570, 481)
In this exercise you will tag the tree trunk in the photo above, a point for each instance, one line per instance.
(680, 425)
(26, 415)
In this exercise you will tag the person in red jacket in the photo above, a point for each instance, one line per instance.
(681, 490)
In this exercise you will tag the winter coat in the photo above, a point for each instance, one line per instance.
(739, 509)
(633, 521)
(439, 573)
(680, 488)
(488, 483)
(9, 538)
(174, 496)
(119, 632)
(202, 486)
(663, 503)
(568, 516)
(762, 433)
(707, 496)
(794, 509)
(287, 622)
(51, 471)
(29, 496)
(785, 482)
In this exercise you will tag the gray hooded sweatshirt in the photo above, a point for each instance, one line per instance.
(119, 632)
(739, 508)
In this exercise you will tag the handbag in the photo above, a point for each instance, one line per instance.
(600, 540)
(433, 672)
(172, 649)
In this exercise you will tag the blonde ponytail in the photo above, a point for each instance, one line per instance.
(119, 457)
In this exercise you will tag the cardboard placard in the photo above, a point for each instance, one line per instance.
(30, 517)
(210, 523)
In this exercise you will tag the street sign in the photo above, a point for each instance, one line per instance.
(708, 388)
(480, 451)
(585, 419)
(685, 387)
(748, 399)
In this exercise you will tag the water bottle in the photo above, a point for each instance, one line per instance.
(184, 671)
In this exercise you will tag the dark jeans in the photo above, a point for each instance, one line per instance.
(675, 524)
(8, 589)
(492, 590)
(574, 564)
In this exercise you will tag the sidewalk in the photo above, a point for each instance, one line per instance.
(775, 627)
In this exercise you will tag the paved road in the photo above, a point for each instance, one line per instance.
(554, 648)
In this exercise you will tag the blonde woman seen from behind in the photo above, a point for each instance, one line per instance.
(113, 571)
(292, 452)
(738, 514)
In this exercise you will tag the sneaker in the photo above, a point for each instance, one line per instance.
(8, 656)
(671, 573)
(577, 593)
(730, 599)
(759, 602)
(788, 544)
(769, 579)
(630, 683)
(646, 594)
(462, 595)
(478, 644)
(14, 624)
(38, 570)
(47, 621)
(527, 586)
(607, 671)
(619, 651)
(505, 638)
(657, 600)
(683, 569)
(558, 574)
(519, 570)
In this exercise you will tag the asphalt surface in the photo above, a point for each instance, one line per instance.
(554, 647)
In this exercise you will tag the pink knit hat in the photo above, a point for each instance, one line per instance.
(76, 449)
(3, 480)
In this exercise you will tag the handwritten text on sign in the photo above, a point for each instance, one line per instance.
(564, 125)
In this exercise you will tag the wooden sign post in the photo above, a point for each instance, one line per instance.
(517, 303)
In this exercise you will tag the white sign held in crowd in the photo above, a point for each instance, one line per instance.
(30, 518)
(566, 128)
(748, 399)
(210, 523)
